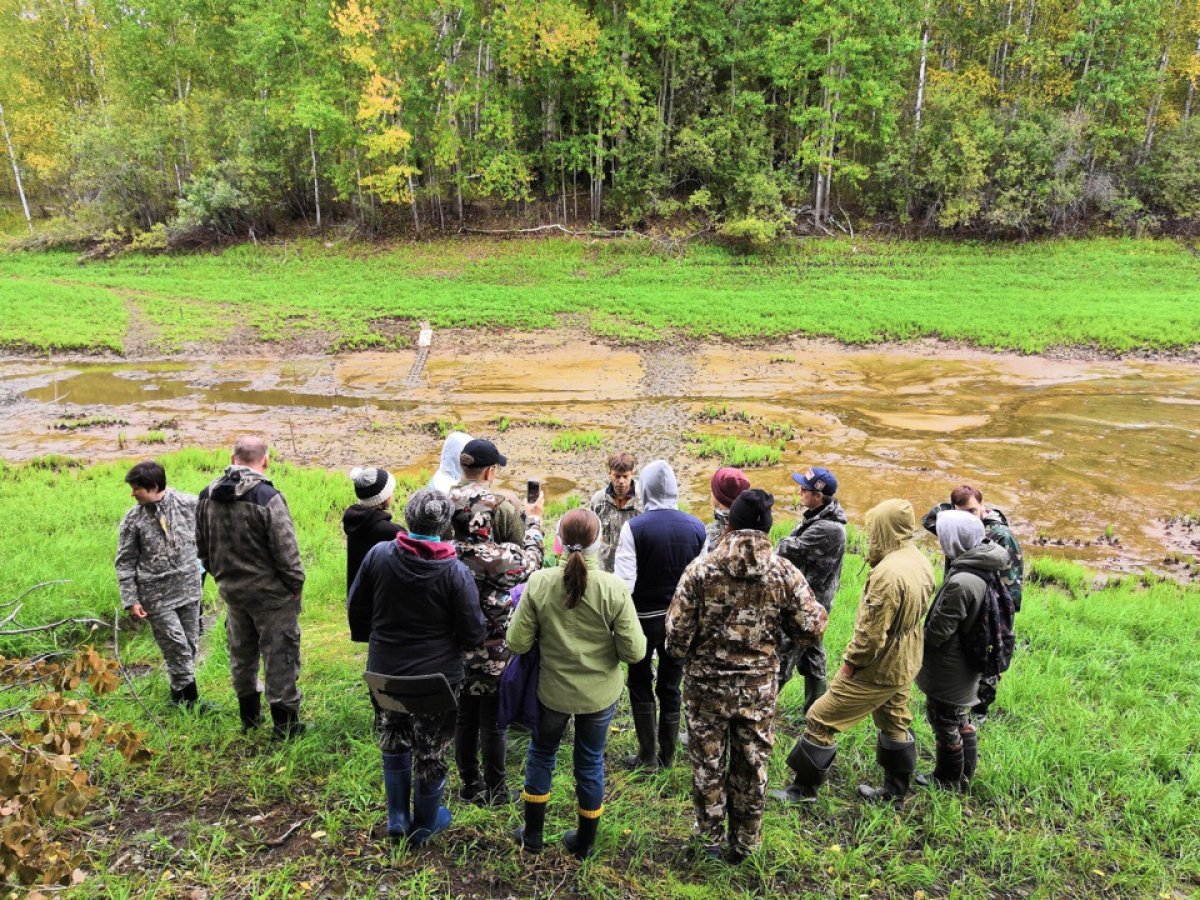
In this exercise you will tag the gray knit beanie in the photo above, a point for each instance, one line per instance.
(372, 486)
(428, 512)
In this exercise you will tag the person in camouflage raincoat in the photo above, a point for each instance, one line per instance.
(725, 620)
(816, 547)
(996, 529)
(497, 566)
(158, 572)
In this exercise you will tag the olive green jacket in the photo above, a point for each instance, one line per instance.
(581, 648)
(888, 637)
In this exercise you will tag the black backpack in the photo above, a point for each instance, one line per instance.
(987, 643)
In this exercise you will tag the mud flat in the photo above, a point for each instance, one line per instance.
(1090, 458)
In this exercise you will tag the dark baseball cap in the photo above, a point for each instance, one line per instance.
(479, 454)
(817, 479)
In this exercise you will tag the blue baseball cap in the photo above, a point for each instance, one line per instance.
(817, 479)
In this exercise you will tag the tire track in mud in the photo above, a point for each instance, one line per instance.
(659, 415)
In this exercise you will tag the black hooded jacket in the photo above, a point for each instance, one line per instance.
(365, 526)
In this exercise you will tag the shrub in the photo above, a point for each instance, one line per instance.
(749, 234)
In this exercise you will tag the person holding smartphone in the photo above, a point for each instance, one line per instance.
(484, 523)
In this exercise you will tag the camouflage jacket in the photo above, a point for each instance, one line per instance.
(816, 547)
(612, 517)
(996, 529)
(156, 554)
(714, 529)
(497, 567)
(732, 606)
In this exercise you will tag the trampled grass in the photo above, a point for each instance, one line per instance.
(1117, 295)
(1088, 780)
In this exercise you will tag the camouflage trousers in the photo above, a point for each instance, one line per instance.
(849, 700)
(730, 734)
(272, 635)
(426, 737)
(177, 632)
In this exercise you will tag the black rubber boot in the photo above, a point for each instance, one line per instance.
(287, 722)
(177, 696)
(189, 695)
(947, 771)
(250, 709)
(582, 838)
(814, 687)
(970, 744)
(668, 737)
(643, 726)
(898, 759)
(810, 763)
(530, 835)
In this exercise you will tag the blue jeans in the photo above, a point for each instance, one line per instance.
(591, 737)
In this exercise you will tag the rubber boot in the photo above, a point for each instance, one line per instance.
(530, 836)
(582, 838)
(397, 785)
(189, 695)
(287, 722)
(177, 696)
(429, 817)
(643, 726)
(668, 737)
(898, 759)
(947, 771)
(810, 763)
(814, 687)
(970, 744)
(250, 710)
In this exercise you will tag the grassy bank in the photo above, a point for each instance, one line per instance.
(1115, 295)
(1088, 780)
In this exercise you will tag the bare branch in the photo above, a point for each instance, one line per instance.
(29, 590)
(97, 623)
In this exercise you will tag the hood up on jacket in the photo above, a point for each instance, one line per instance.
(449, 471)
(237, 482)
(660, 490)
(890, 525)
(958, 532)
(983, 557)
(745, 554)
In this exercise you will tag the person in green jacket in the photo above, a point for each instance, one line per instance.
(585, 624)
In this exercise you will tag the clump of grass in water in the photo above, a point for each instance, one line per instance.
(547, 422)
(152, 437)
(570, 441)
(733, 451)
(442, 427)
(722, 413)
(87, 422)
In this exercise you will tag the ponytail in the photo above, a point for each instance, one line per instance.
(575, 578)
(578, 530)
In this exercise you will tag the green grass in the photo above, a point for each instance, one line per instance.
(733, 451)
(1118, 295)
(574, 441)
(152, 437)
(1087, 787)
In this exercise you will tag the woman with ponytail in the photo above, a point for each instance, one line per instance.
(585, 624)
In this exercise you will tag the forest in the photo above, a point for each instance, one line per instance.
(181, 122)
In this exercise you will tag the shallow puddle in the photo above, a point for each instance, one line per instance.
(1070, 450)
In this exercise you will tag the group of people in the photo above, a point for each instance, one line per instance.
(711, 620)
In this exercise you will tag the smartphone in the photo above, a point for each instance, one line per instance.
(532, 489)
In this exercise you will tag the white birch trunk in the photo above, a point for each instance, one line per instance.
(12, 156)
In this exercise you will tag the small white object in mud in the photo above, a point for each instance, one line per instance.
(426, 337)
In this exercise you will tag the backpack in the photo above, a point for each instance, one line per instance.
(987, 643)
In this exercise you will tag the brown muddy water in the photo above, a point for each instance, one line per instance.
(1090, 459)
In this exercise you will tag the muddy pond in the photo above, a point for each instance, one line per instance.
(1098, 460)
